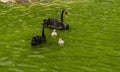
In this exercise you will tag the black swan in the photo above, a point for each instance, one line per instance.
(38, 39)
(54, 23)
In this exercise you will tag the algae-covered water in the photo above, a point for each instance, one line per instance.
(92, 44)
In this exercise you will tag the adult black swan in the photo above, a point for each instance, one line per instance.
(38, 39)
(54, 23)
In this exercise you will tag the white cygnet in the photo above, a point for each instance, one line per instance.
(54, 33)
(61, 42)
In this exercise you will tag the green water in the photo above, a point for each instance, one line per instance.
(92, 44)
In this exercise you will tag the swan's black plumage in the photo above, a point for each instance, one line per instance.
(54, 23)
(38, 39)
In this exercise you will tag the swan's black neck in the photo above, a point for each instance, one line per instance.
(62, 15)
(43, 35)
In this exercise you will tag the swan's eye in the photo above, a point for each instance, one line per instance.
(66, 14)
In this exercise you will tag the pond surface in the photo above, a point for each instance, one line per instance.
(92, 44)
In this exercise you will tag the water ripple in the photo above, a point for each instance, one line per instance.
(3, 58)
(36, 56)
(42, 69)
(27, 65)
(7, 63)
(14, 69)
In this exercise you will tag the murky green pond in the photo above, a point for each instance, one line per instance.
(92, 44)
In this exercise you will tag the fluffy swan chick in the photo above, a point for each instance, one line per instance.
(54, 33)
(61, 42)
